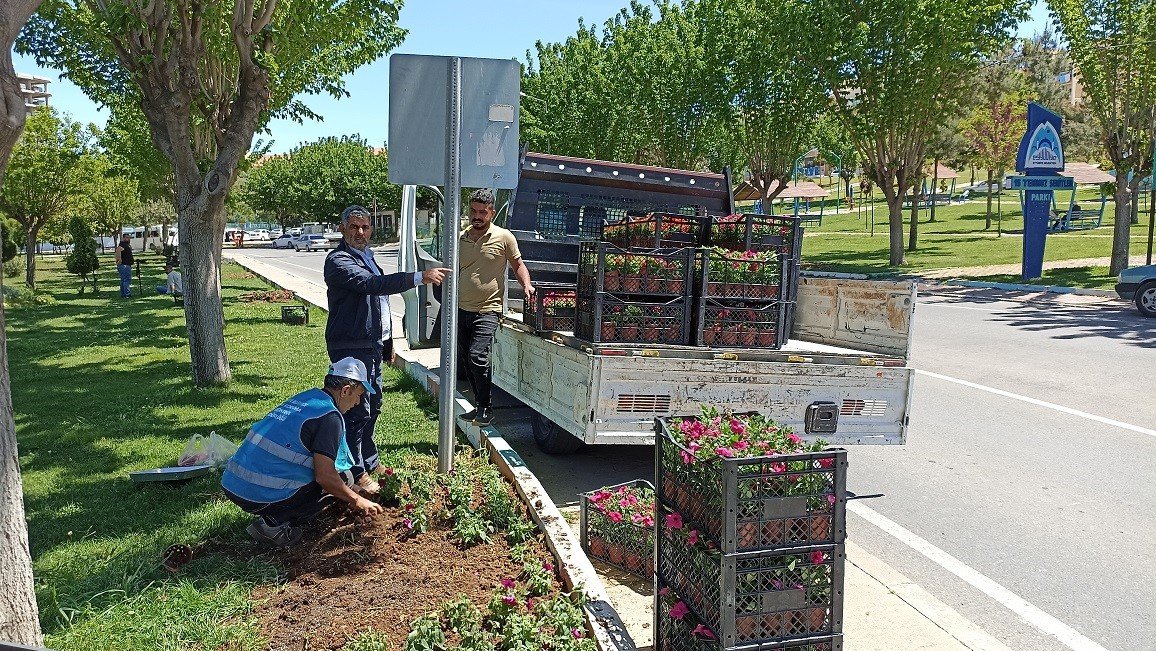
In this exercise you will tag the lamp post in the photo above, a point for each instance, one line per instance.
(546, 106)
(1152, 198)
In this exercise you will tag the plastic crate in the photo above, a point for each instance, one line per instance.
(751, 232)
(605, 318)
(741, 324)
(756, 503)
(673, 634)
(553, 309)
(756, 597)
(626, 545)
(655, 231)
(603, 267)
(728, 275)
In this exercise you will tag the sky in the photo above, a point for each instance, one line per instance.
(498, 29)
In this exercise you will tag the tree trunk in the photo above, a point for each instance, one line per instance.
(1121, 231)
(30, 258)
(987, 223)
(913, 233)
(934, 188)
(895, 228)
(199, 228)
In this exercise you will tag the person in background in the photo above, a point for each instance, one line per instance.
(360, 325)
(174, 284)
(484, 250)
(296, 461)
(124, 262)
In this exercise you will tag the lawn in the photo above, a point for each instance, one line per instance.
(101, 387)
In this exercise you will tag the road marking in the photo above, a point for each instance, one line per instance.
(301, 266)
(1041, 620)
(1043, 403)
(962, 307)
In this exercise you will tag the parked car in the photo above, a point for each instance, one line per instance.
(1139, 284)
(259, 235)
(311, 242)
(284, 241)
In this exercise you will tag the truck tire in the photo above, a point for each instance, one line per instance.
(552, 439)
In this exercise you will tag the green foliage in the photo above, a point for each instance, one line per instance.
(369, 640)
(10, 239)
(127, 141)
(25, 297)
(426, 634)
(110, 199)
(82, 261)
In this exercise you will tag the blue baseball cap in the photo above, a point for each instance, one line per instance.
(353, 369)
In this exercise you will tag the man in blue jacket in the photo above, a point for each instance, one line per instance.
(296, 461)
(360, 325)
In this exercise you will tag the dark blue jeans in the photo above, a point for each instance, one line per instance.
(475, 339)
(361, 419)
(125, 272)
(299, 509)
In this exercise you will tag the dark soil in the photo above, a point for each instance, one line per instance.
(267, 296)
(360, 574)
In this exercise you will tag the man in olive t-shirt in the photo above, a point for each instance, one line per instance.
(483, 252)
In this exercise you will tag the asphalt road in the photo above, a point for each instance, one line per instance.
(1029, 476)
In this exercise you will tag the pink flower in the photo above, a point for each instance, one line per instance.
(831, 498)
(724, 452)
(388, 472)
(647, 521)
(408, 522)
(664, 591)
(702, 633)
(600, 496)
(409, 507)
(826, 463)
(817, 558)
(737, 426)
(794, 438)
(614, 516)
(741, 445)
(687, 458)
(679, 610)
(637, 518)
(508, 584)
(510, 600)
(778, 467)
(548, 566)
(673, 521)
(692, 537)
(577, 633)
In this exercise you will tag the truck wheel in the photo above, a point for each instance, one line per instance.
(1146, 298)
(552, 439)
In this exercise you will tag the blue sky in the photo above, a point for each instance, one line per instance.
(497, 29)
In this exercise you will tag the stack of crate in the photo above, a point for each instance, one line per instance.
(749, 552)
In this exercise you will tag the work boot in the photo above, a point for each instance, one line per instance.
(485, 416)
(367, 486)
(281, 535)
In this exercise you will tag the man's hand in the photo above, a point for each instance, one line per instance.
(366, 508)
(434, 276)
(530, 292)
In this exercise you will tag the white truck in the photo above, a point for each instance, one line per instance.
(843, 375)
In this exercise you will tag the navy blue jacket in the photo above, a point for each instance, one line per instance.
(355, 319)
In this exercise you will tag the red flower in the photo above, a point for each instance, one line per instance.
(826, 463)
(508, 584)
(702, 633)
(614, 516)
(818, 557)
(679, 610)
(673, 521)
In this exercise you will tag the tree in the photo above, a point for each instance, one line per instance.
(208, 75)
(893, 68)
(19, 618)
(832, 137)
(9, 239)
(994, 131)
(127, 142)
(268, 189)
(44, 177)
(82, 260)
(1114, 53)
(110, 199)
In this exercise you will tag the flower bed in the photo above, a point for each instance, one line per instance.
(606, 318)
(739, 324)
(678, 629)
(785, 491)
(752, 597)
(553, 308)
(749, 275)
(603, 267)
(617, 526)
(777, 233)
(656, 230)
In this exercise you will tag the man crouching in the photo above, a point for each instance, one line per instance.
(295, 461)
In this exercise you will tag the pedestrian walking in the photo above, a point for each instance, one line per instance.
(360, 325)
(124, 262)
(484, 250)
(296, 461)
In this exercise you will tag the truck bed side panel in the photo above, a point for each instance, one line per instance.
(870, 315)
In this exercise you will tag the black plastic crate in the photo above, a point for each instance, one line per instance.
(756, 503)
(603, 267)
(756, 597)
(673, 634)
(605, 318)
(656, 231)
(626, 545)
(741, 324)
(751, 232)
(554, 308)
(732, 275)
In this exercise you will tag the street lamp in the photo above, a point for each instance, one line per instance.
(546, 106)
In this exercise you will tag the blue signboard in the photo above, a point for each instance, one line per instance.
(1040, 159)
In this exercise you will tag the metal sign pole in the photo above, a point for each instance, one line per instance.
(450, 226)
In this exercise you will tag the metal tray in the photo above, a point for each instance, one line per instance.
(171, 473)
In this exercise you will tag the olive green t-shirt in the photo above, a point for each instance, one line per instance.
(483, 269)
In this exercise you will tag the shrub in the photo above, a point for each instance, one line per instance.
(82, 261)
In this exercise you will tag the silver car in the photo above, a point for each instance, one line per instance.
(311, 242)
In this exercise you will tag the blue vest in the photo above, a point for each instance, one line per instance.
(272, 463)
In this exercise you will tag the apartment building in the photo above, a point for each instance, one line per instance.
(34, 89)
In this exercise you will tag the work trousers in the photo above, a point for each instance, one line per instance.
(475, 341)
(299, 509)
(361, 419)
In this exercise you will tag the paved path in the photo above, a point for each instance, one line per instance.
(1003, 269)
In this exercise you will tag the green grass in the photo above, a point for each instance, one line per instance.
(1088, 277)
(101, 387)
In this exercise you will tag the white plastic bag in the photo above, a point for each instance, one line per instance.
(214, 450)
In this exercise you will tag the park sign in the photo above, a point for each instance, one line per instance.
(1040, 159)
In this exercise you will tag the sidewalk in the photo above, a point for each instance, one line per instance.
(881, 606)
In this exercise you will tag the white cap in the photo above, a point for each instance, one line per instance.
(353, 369)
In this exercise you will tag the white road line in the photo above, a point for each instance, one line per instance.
(1042, 403)
(962, 307)
(301, 266)
(1041, 620)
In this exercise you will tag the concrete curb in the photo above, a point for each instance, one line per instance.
(1014, 287)
(574, 567)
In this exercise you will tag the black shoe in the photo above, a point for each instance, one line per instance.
(470, 415)
(274, 536)
(485, 416)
